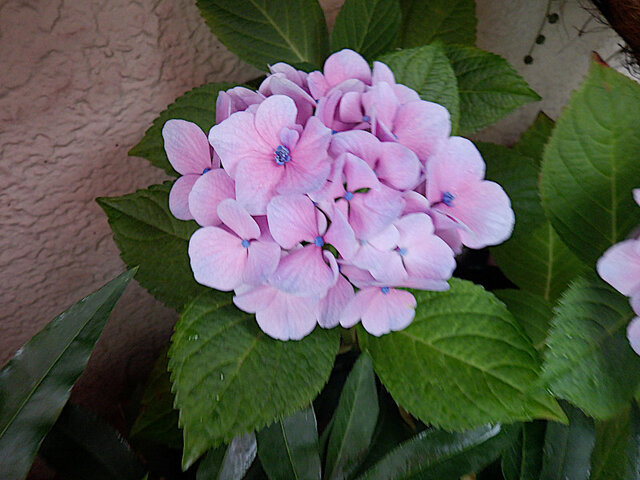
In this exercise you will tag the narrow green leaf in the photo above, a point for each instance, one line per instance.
(157, 420)
(535, 138)
(462, 362)
(369, 27)
(616, 453)
(84, 447)
(451, 21)
(532, 311)
(439, 455)
(523, 459)
(35, 384)
(591, 164)
(489, 87)
(288, 448)
(221, 362)
(428, 71)
(229, 463)
(148, 235)
(567, 448)
(588, 360)
(354, 421)
(197, 106)
(262, 32)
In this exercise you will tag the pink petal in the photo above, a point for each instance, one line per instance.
(186, 146)
(636, 195)
(633, 334)
(405, 94)
(292, 219)
(318, 85)
(457, 166)
(279, 315)
(422, 126)
(415, 203)
(262, 261)
(351, 107)
(398, 167)
(382, 73)
(278, 84)
(236, 141)
(381, 105)
(333, 304)
(346, 65)
(236, 217)
(372, 212)
(358, 142)
(179, 197)
(208, 191)
(217, 258)
(384, 265)
(357, 306)
(256, 183)
(358, 173)
(341, 235)
(380, 312)
(304, 273)
(274, 114)
(620, 266)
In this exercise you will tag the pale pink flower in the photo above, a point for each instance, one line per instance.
(236, 99)
(225, 258)
(207, 192)
(286, 80)
(343, 66)
(267, 153)
(190, 155)
(480, 210)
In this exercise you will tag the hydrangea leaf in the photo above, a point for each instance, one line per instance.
(82, 445)
(229, 462)
(369, 27)
(221, 363)
(489, 87)
(464, 361)
(157, 420)
(451, 21)
(591, 164)
(535, 138)
(148, 235)
(523, 459)
(262, 32)
(588, 360)
(354, 421)
(428, 71)
(532, 311)
(616, 453)
(197, 106)
(438, 455)
(37, 381)
(534, 258)
(567, 448)
(288, 448)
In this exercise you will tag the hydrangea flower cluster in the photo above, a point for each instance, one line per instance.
(620, 267)
(321, 182)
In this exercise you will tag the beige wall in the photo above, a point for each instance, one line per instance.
(81, 80)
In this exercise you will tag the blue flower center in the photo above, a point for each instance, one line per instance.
(205, 170)
(402, 251)
(384, 290)
(348, 196)
(318, 241)
(447, 199)
(366, 118)
(245, 243)
(282, 155)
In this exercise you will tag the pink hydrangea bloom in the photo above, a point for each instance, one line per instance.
(190, 155)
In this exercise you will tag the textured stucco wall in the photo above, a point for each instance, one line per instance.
(80, 82)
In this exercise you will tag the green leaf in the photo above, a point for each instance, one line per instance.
(288, 448)
(567, 447)
(229, 463)
(616, 453)
(157, 420)
(588, 360)
(35, 384)
(354, 421)
(369, 27)
(84, 447)
(221, 362)
(197, 106)
(523, 459)
(262, 32)
(451, 21)
(532, 311)
(534, 139)
(462, 362)
(148, 235)
(428, 71)
(591, 164)
(489, 87)
(439, 455)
